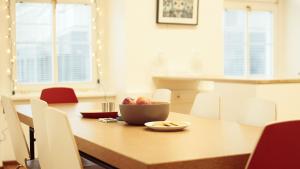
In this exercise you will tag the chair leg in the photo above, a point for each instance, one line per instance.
(19, 166)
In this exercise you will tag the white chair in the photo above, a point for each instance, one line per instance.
(63, 149)
(162, 95)
(206, 105)
(38, 108)
(18, 140)
(257, 112)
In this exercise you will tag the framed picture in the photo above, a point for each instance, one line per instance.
(177, 12)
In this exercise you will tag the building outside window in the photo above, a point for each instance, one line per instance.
(248, 41)
(53, 43)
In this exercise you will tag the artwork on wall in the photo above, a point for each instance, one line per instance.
(177, 12)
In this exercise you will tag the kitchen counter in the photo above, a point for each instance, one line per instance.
(224, 79)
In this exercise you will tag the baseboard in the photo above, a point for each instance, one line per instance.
(5, 163)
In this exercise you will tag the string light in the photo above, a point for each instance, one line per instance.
(11, 43)
(12, 60)
(8, 71)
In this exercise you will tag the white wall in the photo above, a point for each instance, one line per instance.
(4, 58)
(290, 36)
(5, 150)
(136, 41)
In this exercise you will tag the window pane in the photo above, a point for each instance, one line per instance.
(33, 42)
(73, 42)
(261, 38)
(234, 42)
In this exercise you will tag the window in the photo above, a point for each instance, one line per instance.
(53, 44)
(248, 42)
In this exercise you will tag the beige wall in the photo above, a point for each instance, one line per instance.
(137, 42)
(4, 58)
(290, 36)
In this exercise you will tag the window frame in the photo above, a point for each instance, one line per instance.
(257, 6)
(92, 84)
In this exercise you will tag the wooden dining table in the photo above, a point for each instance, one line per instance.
(205, 144)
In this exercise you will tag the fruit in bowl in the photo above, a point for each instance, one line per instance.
(128, 100)
(143, 100)
(143, 111)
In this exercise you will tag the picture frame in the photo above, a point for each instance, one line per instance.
(183, 12)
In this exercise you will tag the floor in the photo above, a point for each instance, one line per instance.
(11, 166)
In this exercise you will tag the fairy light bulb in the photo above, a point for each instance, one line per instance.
(13, 60)
(8, 71)
(8, 51)
(7, 16)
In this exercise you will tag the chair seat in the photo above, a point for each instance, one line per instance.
(87, 164)
(33, 164)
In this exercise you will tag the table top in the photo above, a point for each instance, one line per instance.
(135, 147)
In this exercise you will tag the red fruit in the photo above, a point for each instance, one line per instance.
(143, 100)
(128, 100)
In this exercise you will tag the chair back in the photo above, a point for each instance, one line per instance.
(15, 130)
(59, 95)
(206, 105)
(63, 149)
(39, 108)
(162, 95)
(257, 112)
(278, 147)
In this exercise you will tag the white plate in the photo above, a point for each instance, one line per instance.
(167, 125)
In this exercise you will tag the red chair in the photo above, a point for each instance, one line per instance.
(59, 95)
(278, 147)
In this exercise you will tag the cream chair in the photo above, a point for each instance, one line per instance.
(17, 136)
(162, 95)
(206, 105)
(63, 149)
(257, 112)
(38, 108)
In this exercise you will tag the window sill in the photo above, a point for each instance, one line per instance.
(80, 95)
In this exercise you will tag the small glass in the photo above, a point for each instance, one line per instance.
(111, 106)
(104, 107)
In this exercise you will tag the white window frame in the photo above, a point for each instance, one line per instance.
(34, 87)
(258, 6)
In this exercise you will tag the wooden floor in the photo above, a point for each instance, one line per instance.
(11, 165)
